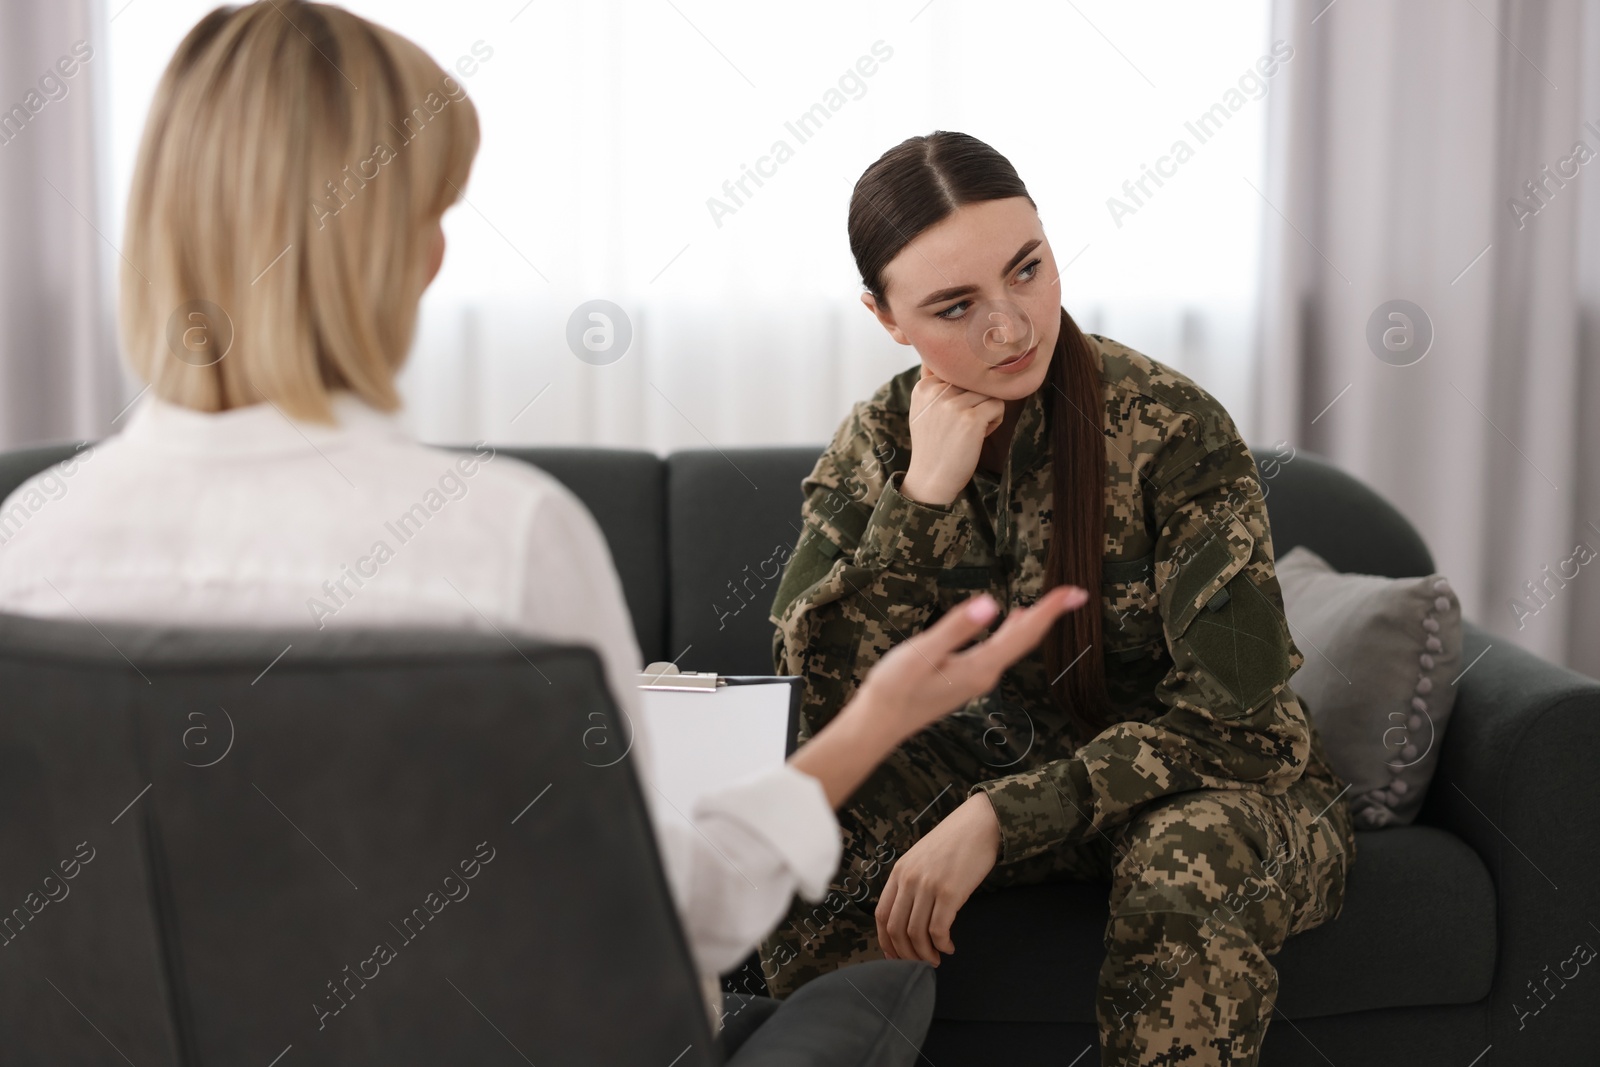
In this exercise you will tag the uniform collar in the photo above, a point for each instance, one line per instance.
(1030, 441)
(258, 430)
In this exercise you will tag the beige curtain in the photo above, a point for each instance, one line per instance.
(1446, 153)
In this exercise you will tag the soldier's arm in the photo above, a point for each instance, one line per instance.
(863, 576)
(1229, 719)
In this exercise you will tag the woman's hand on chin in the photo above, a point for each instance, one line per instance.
(932, 881)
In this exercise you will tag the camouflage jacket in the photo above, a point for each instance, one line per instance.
(1197, 651)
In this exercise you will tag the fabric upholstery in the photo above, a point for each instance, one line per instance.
(1313, 503)
(67, 769)
(18, 465)
(354, 789)
(861, 1015)
(731, 525)
(1010, 946)
(1411, 1037)
(1514, 783)
(625, 491)
(1382, 655)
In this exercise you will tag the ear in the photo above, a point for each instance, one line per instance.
(885, 318)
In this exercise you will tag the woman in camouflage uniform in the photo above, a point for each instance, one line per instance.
(1155, 744)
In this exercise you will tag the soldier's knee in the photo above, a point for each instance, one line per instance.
(1149, 953)
(1209, 855)
(1222, 832)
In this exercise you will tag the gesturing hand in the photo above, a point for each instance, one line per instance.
(926, 677)
(922, 679)
(933, 880)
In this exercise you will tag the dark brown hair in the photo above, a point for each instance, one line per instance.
(914, 185)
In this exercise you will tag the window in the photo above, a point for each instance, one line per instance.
(616, 135)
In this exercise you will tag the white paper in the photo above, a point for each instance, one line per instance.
(702, 741)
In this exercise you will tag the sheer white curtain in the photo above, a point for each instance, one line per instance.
(608, 126)
(58, 371)
(1443, 154)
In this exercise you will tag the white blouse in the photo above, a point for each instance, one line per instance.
(247, 518)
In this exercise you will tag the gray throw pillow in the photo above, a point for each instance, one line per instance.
(1382, 655)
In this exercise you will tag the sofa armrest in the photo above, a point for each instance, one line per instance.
(1516, 781)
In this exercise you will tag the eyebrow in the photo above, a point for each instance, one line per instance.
(965, 290)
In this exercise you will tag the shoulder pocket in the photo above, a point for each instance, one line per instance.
(1202, 573)
(1225, 633)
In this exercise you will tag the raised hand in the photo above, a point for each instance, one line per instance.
(922, 679)
(927, 676)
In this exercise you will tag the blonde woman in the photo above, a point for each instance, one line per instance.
(283, 223)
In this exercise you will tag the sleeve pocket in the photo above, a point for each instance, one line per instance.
(1224, 632)
(1198, 573)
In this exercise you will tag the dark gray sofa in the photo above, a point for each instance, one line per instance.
(1449, 927)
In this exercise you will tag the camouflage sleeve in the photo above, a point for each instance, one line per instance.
(864, 573)
(1227, 717)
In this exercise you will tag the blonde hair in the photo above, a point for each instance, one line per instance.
(280, 221)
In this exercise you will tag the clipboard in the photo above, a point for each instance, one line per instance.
(667, 676)
(718, 730)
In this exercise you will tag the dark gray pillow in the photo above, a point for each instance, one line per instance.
(1382, 656)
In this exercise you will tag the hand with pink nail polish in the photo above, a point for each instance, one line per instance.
(923, 679)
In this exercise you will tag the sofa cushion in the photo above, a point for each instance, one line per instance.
(1378, 679)
(1418, 927)
(732, 520)
(1313, 503)
(625, 492)
(19, 464)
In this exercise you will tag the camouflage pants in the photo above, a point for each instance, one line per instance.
(1205, 886)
